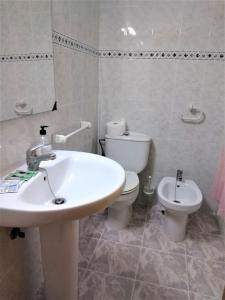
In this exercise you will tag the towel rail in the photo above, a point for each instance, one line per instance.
(64, 135)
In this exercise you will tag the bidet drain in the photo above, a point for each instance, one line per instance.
(59, 201)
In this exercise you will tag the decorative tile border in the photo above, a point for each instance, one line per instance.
(26, 57)
(68, 42)
(185, 55)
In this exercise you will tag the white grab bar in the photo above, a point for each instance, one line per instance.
(64, 135)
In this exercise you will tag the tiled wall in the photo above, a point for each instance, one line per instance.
(76, 68)
(76, 86)
(152, 91)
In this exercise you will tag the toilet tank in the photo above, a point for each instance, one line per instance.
(131, 151)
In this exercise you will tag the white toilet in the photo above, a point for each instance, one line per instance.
(131, 151)
(179, 198)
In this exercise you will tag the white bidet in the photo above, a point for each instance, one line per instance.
(179, 198)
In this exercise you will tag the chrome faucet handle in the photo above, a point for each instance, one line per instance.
(33, 159)
(179, 175)
(32, 150)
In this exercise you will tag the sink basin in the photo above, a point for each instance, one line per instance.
(87, 182)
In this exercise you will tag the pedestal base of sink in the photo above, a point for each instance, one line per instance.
(59, 246)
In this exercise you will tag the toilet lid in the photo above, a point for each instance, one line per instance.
(131, 183)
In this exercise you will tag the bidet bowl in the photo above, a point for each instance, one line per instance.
(181, 197)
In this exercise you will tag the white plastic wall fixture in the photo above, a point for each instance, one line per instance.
(199, 116)
(63, 136)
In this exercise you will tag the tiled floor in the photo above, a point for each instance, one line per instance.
(141, 263)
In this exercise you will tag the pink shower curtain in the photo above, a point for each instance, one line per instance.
(219, 187)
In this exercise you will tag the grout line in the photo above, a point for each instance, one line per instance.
(135, 278)
(144, 247)
(92, 255)
(112, 274)
(205, 259)
(98, 239)
(132, 279)
(133, 288)
(136, 271)
(201, 232)
(186, 262)
(142, 240)
(161, 286)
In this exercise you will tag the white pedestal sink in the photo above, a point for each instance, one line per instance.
(88, 183)
(59, 247)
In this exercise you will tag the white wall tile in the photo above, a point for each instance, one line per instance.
(152, 94)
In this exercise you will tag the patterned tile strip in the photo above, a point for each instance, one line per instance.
(26, 57)
(68, 42)
(185, 55)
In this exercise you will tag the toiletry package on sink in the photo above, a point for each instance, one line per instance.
(12, 182)
(10, 186)
(21, 175)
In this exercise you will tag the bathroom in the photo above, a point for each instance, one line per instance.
(148, 63)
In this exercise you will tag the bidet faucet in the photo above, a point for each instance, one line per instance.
(179, 175)
(33, 159)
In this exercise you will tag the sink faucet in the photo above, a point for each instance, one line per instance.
(33, 159)
(179, 175)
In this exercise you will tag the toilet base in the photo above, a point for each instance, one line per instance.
(175, 225)
(118, 218)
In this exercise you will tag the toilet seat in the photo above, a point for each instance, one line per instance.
(132, 182)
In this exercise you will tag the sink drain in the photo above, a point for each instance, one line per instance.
(176, 201)
(59, 201)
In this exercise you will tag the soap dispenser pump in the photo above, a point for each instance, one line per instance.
(43, 135)
(45, 141)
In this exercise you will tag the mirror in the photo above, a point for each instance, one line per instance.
(26, 58)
